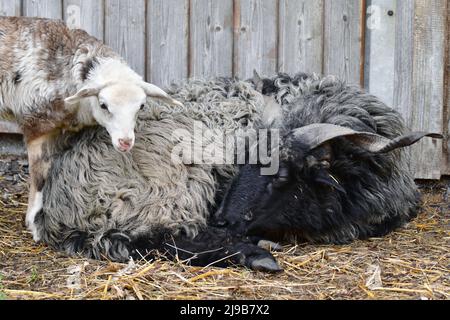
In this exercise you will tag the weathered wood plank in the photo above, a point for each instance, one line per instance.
(85, 14)
(380, 49)
(51, 9)
(404, 50)
(301, 36)
(125, 31)
(255, 32)
(9, 127)
(446, 117)
(343, 39)
(211, 37)
(10, 8)
(168, 28)
(428, 79)
(419, 83)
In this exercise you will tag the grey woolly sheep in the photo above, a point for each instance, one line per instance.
(104, 204)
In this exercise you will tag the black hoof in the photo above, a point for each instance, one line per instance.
(75, 242)
(266, 264)
(257, 258)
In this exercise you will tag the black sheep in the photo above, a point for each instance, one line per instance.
(341, 177)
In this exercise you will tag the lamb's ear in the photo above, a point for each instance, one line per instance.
(85, 92)
(317, 134)
(155, 92)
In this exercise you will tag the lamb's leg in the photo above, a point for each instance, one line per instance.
(39, 163)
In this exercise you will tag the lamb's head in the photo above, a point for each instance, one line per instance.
(272, 206)
(117, 105)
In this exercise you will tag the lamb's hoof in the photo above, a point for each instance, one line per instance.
(34, 231)
(266, 264)
(36, 236)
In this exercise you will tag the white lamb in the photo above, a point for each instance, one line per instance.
(54, 79)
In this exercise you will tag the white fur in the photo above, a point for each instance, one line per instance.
(31, 215)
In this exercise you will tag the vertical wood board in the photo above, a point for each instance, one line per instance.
(211, 38)
(85, 14)
(380, 49)
(125, 31)
(51, 9)
(343, 39)
(10, 7)
(301, 36)
(168, 27)
(255, 37)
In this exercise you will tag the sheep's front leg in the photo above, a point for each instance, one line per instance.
(39, 163)
(211, 247)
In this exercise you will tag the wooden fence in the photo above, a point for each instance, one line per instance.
(397, 49)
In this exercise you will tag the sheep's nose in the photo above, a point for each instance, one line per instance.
(126, 143)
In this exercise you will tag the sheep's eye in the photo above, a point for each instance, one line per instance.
(142, 106)
(280, 182)
(282, 178)
(104, 106)
(269, 188)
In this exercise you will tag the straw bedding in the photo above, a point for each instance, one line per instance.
(412, 263)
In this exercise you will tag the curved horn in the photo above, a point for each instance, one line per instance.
(317, 134)
(407, 140)
(155, 92)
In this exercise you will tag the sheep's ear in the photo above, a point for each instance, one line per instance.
(257, 81)
(317, 134)
(85, 92)
(271, 113)
(155, 92)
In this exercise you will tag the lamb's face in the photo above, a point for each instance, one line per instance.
(120, 94)
(117, 110)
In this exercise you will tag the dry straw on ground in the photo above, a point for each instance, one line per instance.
(412, 263)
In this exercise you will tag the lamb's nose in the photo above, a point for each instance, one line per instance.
(125, 143)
